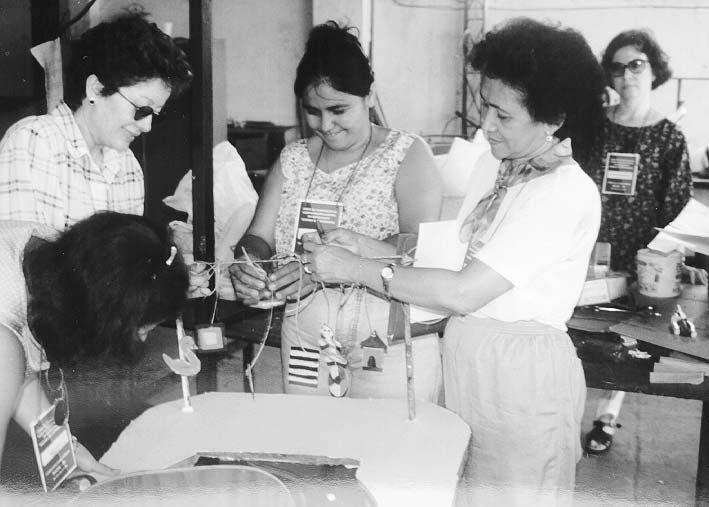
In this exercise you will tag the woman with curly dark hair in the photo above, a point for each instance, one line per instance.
(634, 131)
(510, 369)
(96, 289)
(63, 166)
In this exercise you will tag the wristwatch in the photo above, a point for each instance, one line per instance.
(387, 274)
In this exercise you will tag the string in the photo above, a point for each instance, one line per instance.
(366, 310)
(214, 268)
(216, 290)
(262, 344)
(352, 174)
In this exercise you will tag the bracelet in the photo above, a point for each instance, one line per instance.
(255, 245)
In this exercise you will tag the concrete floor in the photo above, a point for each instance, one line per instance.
(652, 462)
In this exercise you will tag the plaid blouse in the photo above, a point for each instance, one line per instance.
(48, 176)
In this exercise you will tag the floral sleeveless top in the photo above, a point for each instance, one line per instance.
(365, 188)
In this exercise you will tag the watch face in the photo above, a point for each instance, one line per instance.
(387, 273)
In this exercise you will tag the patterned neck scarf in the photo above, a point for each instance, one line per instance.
(511, 173)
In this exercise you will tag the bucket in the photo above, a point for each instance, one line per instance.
(659, 274)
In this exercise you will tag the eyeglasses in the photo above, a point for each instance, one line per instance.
(140, 111)
(636, 66)
(61, 403)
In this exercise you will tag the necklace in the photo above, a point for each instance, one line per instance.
(352, 174)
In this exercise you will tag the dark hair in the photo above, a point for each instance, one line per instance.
(333, 55)
(643, 41)
(554, 69)
(123, 52)
(102, 279)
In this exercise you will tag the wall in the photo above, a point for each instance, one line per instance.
(416, 55)
(418, 81)
(418, 65)
(15, 43)
(680, 26)
(263, 40)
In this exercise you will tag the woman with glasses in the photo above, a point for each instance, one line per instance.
(652, 152)
(95, 289)
(63, 166)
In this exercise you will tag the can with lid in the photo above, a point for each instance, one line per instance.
(659, 273)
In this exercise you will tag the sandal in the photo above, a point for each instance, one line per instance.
(600, 439)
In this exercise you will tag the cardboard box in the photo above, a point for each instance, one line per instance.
(597, 290)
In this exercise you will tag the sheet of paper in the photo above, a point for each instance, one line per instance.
(668, 241)
(690, 229)
(674, 364)
(438, 246)
(458, 165)
(594, 292)
(661, 377)
(676, 368)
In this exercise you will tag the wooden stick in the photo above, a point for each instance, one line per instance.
(187, 407)
(410, 394)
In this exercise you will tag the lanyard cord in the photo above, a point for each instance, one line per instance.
(352, 174)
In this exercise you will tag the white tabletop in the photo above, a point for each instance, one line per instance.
(402, 462)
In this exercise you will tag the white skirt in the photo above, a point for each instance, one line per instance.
(521, 388)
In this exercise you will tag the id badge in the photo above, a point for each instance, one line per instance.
(621, 173)
(53, 448)
(315, 216)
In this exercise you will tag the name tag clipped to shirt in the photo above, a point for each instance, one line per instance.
(315, 216)
(621, 173)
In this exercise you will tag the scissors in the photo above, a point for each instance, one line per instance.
(641, 310)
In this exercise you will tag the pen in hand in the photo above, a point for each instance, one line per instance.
(321, 230)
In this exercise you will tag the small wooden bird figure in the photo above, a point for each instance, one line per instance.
(188, 364)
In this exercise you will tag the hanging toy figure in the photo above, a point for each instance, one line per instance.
(681, 325)
(338, 379)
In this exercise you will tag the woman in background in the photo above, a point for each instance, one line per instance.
(58, 168)
(96, 289)
(634, 65)
(511, 371)
(385, 180)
